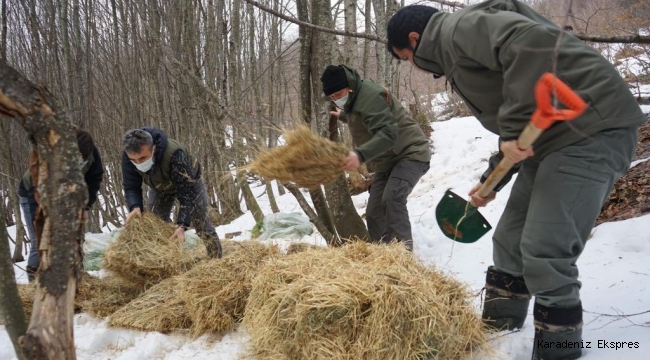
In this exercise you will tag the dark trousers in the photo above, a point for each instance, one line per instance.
(386, 213)
(552, 209)
(161, 205)
(29, 205)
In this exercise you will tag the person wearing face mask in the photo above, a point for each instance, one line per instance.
(492, 54)
(171, 173)
(388, 140)
(93, 171)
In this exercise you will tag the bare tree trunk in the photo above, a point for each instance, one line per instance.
(14, 205)
(62, 194)
(313, 217)
(382, 68)
(269, 193)
(20, 230)
(306, 112)
(81, 115)
(11, 308)
(350, 56)
(3, 46)
(366, 42)
(305, 56)
(349, 224)
(249, 198)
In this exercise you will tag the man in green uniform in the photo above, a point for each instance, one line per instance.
(389, 140)
(492, 54)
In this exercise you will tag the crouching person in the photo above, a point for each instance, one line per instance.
(171, 173)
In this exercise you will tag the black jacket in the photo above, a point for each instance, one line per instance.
(184, 177)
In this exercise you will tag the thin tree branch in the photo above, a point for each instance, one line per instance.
(448, 3)
(315, 27)
(313, 217)
(630, 39)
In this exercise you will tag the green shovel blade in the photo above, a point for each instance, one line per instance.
(449, 212)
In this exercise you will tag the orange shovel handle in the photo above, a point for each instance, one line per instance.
(547, 86)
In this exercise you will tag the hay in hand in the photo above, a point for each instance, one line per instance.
(215, 292)
(307, 159)
(160, 308)
(359, 301)
(144, 255)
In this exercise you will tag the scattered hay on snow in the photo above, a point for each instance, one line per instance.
(98, 297)
(210, 298)
(306, 159)
(359, 301)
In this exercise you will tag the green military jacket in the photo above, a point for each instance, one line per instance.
(382, 130)
(493, 53)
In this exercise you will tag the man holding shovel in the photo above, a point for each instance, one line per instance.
(492, 54)
(389, 140)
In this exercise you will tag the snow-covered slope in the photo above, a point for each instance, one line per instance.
(614, 269)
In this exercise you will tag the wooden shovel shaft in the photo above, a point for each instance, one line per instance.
(547, 86)
(525, 140)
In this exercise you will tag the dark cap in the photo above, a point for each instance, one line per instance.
(334, 79)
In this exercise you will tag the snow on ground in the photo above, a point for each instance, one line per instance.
(614, 268)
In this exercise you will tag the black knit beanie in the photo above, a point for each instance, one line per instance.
(334, 79)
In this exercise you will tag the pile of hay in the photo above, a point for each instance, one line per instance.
(298, 247)
(103, 297)
(210, 298)
(144, 255)
(160, 308)
(307, 159)
(98, 297)
(26, 292)
(215, 293)
(359, 301)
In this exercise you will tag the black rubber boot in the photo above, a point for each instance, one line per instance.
(506, 300)
(558, 333)
(213, 246)
(31, 273)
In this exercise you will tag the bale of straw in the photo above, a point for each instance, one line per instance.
(160, 308)
(144, 255)
(215, 292)
(359, 301)
(306, 159)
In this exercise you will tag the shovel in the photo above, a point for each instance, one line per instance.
(462, 222)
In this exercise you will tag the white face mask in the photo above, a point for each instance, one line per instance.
(147, 164)
(340, 103)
